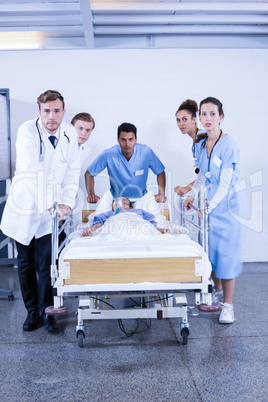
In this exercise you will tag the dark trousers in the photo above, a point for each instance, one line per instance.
(34, 273)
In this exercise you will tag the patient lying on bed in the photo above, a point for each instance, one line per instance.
(123, 205)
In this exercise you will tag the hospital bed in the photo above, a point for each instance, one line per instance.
(160, 272)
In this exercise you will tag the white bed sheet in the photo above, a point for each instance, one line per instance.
(127, 235)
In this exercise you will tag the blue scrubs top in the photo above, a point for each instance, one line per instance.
(127, 178)
(226, 234)
(101, 218)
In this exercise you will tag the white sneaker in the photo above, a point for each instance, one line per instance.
(227, 314)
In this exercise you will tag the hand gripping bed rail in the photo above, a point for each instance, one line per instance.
(203, 224)
(55, 249)
(56, 231)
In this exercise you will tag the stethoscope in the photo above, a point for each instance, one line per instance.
(41, 155)
(197, 170)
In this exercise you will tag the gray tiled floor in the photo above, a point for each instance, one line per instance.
(219, 363)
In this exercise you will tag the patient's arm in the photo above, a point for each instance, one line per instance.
(162, 230)
(92, 197)
(89, 231)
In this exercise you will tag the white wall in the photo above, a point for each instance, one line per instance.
(145, 87)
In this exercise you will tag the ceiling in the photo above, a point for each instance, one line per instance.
(85, 24)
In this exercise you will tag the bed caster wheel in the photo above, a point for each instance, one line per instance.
(80, 338)
(184, 336)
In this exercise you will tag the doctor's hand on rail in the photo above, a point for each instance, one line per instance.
(188, 204)
(90, 186)
(160, 198)
(63, 211)
(93, 198)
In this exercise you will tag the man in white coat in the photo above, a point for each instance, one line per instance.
(47, 170)
(84, 125)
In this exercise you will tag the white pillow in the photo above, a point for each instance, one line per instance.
(105, 203)
(149, 204)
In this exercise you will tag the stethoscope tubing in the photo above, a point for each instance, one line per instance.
(41, 157)
(208, 174)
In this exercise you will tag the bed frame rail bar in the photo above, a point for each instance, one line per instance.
(203, 223)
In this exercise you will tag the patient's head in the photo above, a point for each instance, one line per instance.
(122, 203)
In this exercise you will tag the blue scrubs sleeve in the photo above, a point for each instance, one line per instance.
(98, 165)
(155, 164)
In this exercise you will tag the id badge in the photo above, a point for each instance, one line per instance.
(139, 172)
(217, 161)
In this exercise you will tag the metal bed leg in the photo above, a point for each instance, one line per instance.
(80, 330)
(184, 326)
(206, 304)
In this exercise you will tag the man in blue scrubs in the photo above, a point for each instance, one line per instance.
(128, 164)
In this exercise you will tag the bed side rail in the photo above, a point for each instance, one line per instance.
(203, 223)
(57, 229)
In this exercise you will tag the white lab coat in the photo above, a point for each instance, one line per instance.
(84, 154)
(81, 198)
(38, 183)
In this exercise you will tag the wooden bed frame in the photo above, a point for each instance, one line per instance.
(132, 270)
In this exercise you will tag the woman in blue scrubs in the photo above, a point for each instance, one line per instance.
(186, 121)
(218, 161)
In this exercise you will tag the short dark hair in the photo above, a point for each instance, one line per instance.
(128, 128)
(84, 117)
(50, 95)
